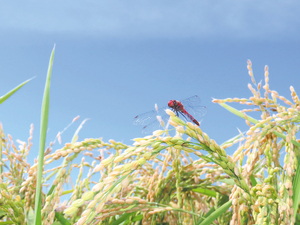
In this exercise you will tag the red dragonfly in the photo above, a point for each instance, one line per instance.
(188, 109)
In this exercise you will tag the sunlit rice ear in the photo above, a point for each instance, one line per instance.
(170, 112)
(174, 124)
(156, 108)
(180, 129)
(177, 120)
(191, 125)
(158, 133)
(160, 121)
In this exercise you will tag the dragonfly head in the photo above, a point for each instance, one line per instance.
(171, 103)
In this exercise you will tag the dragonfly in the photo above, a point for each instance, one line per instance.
(188, 109)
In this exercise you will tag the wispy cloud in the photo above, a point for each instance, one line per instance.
(155, 19)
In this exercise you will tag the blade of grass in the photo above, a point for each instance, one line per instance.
(205, 192)
(30, 216)
(43, 132)
(238, 113)
(222, 201)
(62, 219)
(6, 222)
(296, 192)
(216, 214)
(253, 180)
(10, 93)
(122, 218)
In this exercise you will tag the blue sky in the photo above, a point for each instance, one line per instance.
(115, 59)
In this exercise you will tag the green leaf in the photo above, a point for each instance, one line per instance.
(238, 113)
(6, 222)
(222, 201)
(228, 181)
(296, 189)
(61, 219)
(253, 180)
(137, 218)
(10, 93)
(123, 218)
(297, 219)
(43, 132)
(30, 217)
(216, 214)
(205, 192)
(2, 214)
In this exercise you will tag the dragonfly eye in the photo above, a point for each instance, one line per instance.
(171, 103)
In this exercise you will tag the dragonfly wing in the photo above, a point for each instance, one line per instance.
(192, 101)
(149, 120)
(193, 106)
(155, 124)
(145, 118)
(196, 111)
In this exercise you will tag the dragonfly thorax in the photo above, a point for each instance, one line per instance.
(175, 105)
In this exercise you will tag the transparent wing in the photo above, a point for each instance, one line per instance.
(150, 120)
(156, 124)
(148, 117)
(193, 106)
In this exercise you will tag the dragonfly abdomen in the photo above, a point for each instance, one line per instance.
(191, 117)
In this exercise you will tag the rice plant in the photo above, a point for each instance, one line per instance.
(185, 178)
